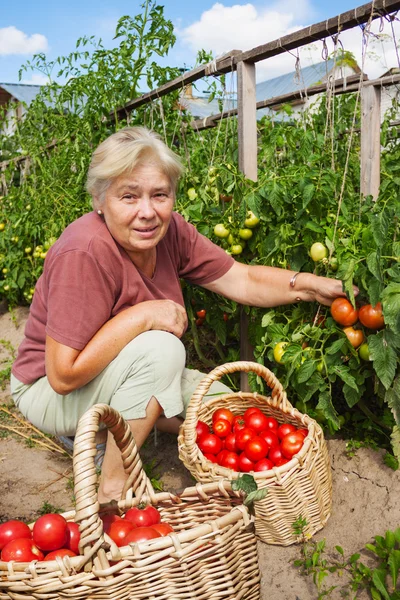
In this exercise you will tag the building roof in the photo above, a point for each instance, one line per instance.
(21, 91)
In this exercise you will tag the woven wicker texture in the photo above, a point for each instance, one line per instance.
(211, 554)
(300, 488)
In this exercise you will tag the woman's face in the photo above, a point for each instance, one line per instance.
(137, 210)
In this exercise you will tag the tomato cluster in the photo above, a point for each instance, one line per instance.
(52, 536)
(248, 442)
(346, 315)
(234, 236)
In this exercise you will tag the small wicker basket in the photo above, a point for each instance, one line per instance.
(300, 488)
(211, 554)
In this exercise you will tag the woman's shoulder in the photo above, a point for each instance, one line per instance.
(85, 234)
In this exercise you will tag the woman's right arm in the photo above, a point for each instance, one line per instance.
(68, 369)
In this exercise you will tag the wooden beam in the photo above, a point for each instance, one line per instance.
(370, 141)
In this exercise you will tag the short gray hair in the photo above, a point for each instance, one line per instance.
(125, 150)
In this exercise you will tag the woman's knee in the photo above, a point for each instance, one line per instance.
(159, 348)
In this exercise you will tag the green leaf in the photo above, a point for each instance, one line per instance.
(245, 483)
(351, 395)
(373, 263)
(314, 227)
(378, 578)
(392, 397)
(391, 461)
(345, 375)
(305, 371)
(395, 441)
(379, 226)
(335, 347)
(267, 318)
(391, 306)
(384, 358)
(394, 565)
(325, 404)
(340, 550)
(254, 496)
(354, 558)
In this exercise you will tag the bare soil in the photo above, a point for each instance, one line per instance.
(365, 492)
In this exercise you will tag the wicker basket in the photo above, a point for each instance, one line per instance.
(211, 554)
(300, 488)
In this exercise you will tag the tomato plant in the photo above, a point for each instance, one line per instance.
(343, 312)
(50, 532)
(371, 316)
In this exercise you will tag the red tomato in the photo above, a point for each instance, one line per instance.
(223, 413)
(225, 317)
(220, 456)
(275, 454)
(371, 316)
(210, 444)
(291, 444)
(201, 429)
(21, 550)
(271, 437)
(73, 537)
(284, 429)
(256, 449)
(282, 461)
(210, 457)
(162, 528)
(250, 411)
(119, 530)
(199, 322)
(201, 313)
(230, 460)
(243, 436)
(238, 423)
(230, 442)
(245, 465)
(50, 532)
(59, 554)
(355, 336)
(107, 519)
(141, 534)
(222, 428)
(272, 424)
(257, 421)
(13, 530)
(343, 312)
(263, 465)
(303, 431)
(143, 517)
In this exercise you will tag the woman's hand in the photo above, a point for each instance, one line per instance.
(325, 290)
(164, 315)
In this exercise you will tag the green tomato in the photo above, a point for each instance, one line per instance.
(279, 351)
(245, 234)
(221, 231)
(334, 263)
(251, 220)
(363, 352)
(318, 252)
(2, 226)
(230, 239)
(321, 367)
(192, 194)
(236, 249)
(28, 250)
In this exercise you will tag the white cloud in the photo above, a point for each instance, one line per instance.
(14, 41)
(36, 79)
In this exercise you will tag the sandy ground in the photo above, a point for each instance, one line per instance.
(365, 492)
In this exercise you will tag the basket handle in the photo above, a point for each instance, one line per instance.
(278, 394)
(85, 476)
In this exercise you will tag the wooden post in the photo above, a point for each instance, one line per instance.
(247, 133)
(370, 140)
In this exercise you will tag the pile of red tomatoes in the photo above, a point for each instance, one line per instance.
(248, 442)
(52, 536)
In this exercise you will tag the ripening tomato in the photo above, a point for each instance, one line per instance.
(119, 530)
(210, 444)
(162, 528)
(243, 436)
(257, 421)
(230, 442)
(50, 532)
(284, 429)
(230, 460)
(13, 530)
(141, 534)
(143, 517)
(279, 351)
(355, 336)
(271, 437)
(263, 465)
(245, 465)
(201, 429)
(371, 316)
(60, 553)
(222, 428)
(223, 413)
(256, 449)
(343, 312)
(73, 537)
(21, 550)
(292, 443)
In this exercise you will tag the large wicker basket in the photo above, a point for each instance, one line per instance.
(211, 554)
(300, 488)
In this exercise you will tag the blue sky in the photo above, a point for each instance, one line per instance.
(28, 26)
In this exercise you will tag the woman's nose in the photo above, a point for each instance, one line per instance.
(146, 210)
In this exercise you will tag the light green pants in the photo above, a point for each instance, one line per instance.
(153, 364)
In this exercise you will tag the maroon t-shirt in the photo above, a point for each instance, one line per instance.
(88, 278)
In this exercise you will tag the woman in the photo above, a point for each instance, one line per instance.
(108, 313)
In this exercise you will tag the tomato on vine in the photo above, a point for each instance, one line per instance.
(371, 316)
(251, 220)
(201, 313)
(279, 351)
(236, 249)
(363, 352)
(355, 336)
(343, 312)
(245, 234)
(221, 231)
(318, 251)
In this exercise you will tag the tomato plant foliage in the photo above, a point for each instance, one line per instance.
(308, 192)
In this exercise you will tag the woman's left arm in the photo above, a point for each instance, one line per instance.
(255, 285)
